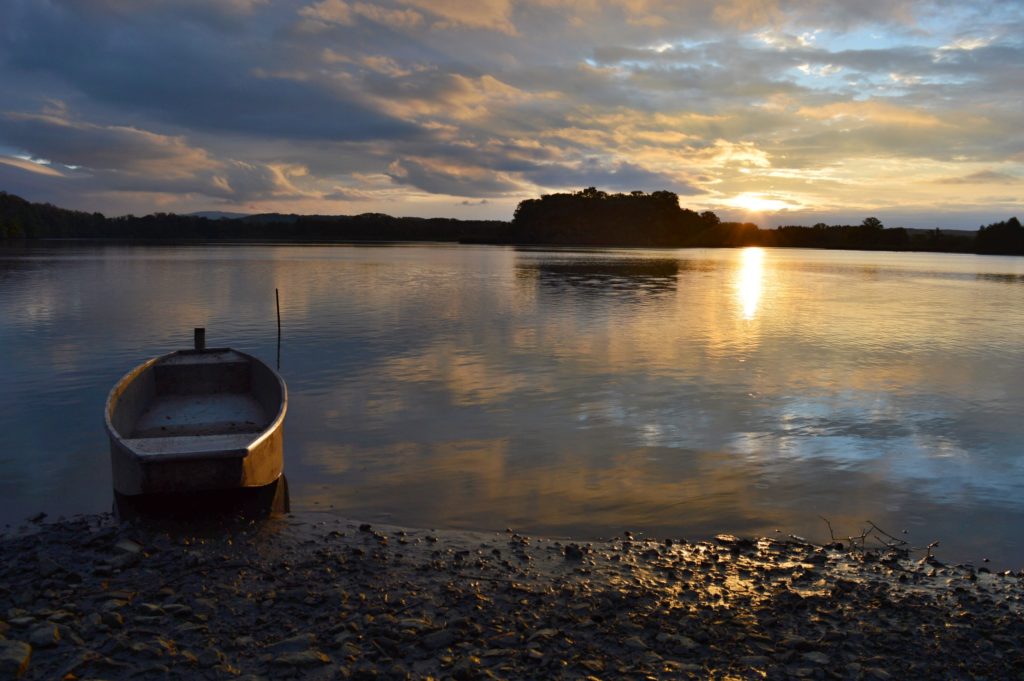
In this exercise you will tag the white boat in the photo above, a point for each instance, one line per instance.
(195, 421)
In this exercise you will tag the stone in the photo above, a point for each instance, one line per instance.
(178, 610)
(128, 546)
(542, 634)
(60, 616)
(48, 567)
(439, 639)
(125, 560)
(306, 658)
(210, 657)
(635, 642)
(466, 668)
(14, 658)
(45, 636)
(817, 658)
(413, 623)
(294, 644)
(573, 552)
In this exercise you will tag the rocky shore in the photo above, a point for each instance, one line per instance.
(316, 597)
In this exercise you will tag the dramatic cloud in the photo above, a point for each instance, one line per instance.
(769, 110)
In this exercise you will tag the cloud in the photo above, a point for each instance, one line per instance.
(615, 175)
(223, 7)
(324, 14)
(350, 194)
(424, 94)
(329, 12)
(98, 147)
(439, 177)
(984, 177)
(405, 19)
(31, 166)
(493, 15)
(123, 158)
(229, 15)
(749, 14)
(191, 78)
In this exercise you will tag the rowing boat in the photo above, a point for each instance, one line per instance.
(196, 420)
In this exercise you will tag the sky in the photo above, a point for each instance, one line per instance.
(772, 111)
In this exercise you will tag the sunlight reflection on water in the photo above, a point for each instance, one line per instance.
(749, 281)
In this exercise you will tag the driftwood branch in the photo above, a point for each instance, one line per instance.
(885, 540)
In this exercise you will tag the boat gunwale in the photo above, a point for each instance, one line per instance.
(133, 374)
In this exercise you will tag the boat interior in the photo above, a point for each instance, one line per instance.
(194, 402)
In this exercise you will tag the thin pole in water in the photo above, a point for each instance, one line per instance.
(277, 299)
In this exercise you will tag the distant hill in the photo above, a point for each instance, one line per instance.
(280, 217)
(217, 215)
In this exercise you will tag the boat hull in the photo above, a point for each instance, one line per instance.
(196, 421)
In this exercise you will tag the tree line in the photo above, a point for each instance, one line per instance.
(22, 219)
(589, 217)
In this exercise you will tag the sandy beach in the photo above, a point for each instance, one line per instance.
(320, 597)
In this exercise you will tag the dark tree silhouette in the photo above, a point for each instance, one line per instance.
(1001, 238)
(587, 217)
(593, 217)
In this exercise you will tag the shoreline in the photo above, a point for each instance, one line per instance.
(314, 596)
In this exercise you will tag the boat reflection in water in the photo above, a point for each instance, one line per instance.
(245, 503)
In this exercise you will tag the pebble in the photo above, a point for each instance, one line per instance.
(128, 546)
(817, 658)
(439, 639)
(45, 636)
(14, 658)
(210, 657)
(291, 645)
(306, 658)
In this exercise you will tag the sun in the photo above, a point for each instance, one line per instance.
(757, 203)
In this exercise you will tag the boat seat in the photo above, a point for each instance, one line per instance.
(233, 445)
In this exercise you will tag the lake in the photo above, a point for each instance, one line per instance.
(566, 392)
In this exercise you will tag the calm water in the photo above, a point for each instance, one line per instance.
(680, 393)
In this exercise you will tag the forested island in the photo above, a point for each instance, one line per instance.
(585, 218)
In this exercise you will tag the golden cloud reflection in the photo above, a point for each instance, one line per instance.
(750, 281)
(488, 483)
(469, 376)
